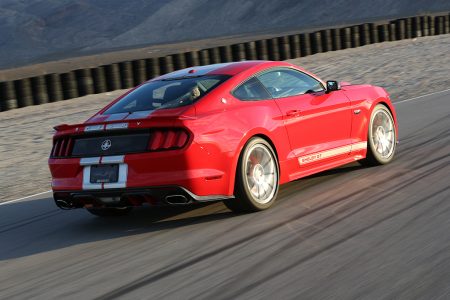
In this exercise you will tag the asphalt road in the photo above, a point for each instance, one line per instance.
(349, 233)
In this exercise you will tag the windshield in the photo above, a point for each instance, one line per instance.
(166, 93)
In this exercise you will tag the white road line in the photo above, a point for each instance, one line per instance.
(23, 198)
(403, 101)
(419, 97)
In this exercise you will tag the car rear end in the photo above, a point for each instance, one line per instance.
(132, 153)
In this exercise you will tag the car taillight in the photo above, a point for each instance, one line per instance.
(62, 147)
(166, 139)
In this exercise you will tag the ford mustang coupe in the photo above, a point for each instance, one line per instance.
(229, 132)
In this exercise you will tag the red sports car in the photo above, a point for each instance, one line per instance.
(229, 132)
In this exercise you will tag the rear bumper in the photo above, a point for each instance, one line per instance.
(155, 196)
(203, 170)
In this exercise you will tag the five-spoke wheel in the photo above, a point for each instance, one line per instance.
(257, 178)
(382, 138)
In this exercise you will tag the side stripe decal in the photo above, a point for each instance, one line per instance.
(303, 160)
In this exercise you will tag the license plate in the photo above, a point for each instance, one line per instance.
(104, 174)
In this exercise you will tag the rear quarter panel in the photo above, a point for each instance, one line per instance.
(225, 130)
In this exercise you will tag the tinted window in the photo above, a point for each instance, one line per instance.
(252, 89)
(286, 82)
(167, 93)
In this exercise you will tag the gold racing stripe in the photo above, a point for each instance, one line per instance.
(303, 160)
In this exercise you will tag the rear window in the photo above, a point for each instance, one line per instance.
(166, 93)
(252, 89)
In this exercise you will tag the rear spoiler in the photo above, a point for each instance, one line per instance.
(93, 126)
(62, 127)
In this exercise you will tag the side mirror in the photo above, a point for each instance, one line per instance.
(332, 85)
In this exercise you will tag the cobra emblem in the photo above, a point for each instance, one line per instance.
(106, 144)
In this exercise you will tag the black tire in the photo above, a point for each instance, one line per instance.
(109, 211)
(374, 157)
(267, 176)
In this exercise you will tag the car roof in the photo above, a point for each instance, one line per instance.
(231, 69)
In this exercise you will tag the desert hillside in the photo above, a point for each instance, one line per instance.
(35, 31)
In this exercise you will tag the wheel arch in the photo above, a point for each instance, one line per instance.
(241, 147)
(267, 139)
(372, 158)
(388, 104)
(383, 102)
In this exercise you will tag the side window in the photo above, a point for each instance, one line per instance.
(252, 89)
(287, 82)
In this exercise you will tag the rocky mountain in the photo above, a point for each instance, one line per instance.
(34, 31)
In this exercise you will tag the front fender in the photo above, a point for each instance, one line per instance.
(363, 99)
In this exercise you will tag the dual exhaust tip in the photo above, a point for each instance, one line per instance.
(63, 204)
(177, 200)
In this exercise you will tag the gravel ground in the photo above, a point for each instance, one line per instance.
(405, 68)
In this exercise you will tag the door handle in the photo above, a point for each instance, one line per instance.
(293, 113)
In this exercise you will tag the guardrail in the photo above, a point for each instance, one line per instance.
(75, 83)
